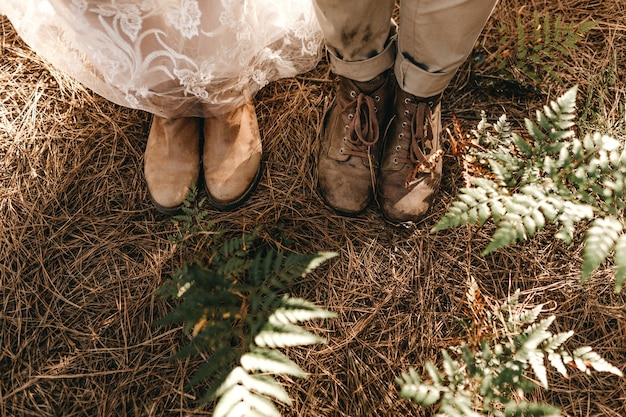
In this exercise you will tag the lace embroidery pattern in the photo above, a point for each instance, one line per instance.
(172, 57)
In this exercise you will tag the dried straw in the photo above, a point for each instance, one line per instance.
(82, 250)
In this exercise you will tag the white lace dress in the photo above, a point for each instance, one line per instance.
(171, 57)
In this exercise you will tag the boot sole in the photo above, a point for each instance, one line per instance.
(169, 211)
(238, 202)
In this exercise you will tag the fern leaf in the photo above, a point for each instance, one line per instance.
(530, 224)
(522, 145)
(450, 366)
(319, 259)
(270, 361)
(527, 316)
(528, 409)
(297, 310)
(267, 386)
(556, 360)
(285, 335)
(457, 215)
(535, 359)
(535, 132)
(240, 402)
(433, 373)
(233, 378)
(565, 105)
(412, 387)
(259, 384)
(599, 241)
(532, 337)
(555, 341)
(508, 232)
(227, 405)
(585, 358)
(620, 263)
(216, 368)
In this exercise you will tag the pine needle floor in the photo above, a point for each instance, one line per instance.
(82, 250)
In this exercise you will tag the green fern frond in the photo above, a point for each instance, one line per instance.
(284, 335)
(531, 409)
(548, 177)
(234, 306)
(215, 368)
(474, 206)
(555, 341)
(585, 358)
(600, 240)
(239, 401)
(532, 337)
(298, 310)
(270, 361)
(259, 383)
(413, 388)
(510, 230)
(620, 263)
(487, 378)
(556, 360)
(526, 316)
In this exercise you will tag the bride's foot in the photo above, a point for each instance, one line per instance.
(172, 161)
(231, 156)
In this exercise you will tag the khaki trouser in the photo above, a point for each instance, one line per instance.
(434, 38)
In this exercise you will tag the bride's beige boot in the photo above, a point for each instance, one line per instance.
(231, 156)
(172, 161)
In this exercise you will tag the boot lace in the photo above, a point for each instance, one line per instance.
(363, 130)
(420, 132)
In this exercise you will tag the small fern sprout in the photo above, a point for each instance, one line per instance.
(547, 177)
(492, 375)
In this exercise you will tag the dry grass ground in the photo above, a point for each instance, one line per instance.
(82, 250)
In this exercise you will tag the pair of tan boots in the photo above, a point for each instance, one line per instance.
(226, 149)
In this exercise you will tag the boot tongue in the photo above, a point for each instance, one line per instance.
(368, 87)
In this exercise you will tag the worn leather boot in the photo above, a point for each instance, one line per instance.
(172, 161)
(351, 142)
(231, 156)
(411, 166)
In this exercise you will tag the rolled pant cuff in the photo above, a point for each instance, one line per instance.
(419, 82)
(366, 69)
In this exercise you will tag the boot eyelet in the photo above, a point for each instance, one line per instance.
(350, 116)
(343, 139)
(401, 135)
(377, 98)
(375, 109)
(404, 124)
(398, 147)
(407, 100)
(406, 112)
(430, 104)
(346, 127)
(353, 94)
(395, 161)
(341, 151)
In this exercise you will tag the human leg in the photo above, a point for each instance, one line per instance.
(435, 38)
(361, 51)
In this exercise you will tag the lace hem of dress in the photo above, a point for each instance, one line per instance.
(172, 57)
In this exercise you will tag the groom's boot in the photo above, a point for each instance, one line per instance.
(351, 142)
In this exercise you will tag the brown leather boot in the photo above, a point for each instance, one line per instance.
(172, 161)
(231, 156)
(351, 142)
(411, 166)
